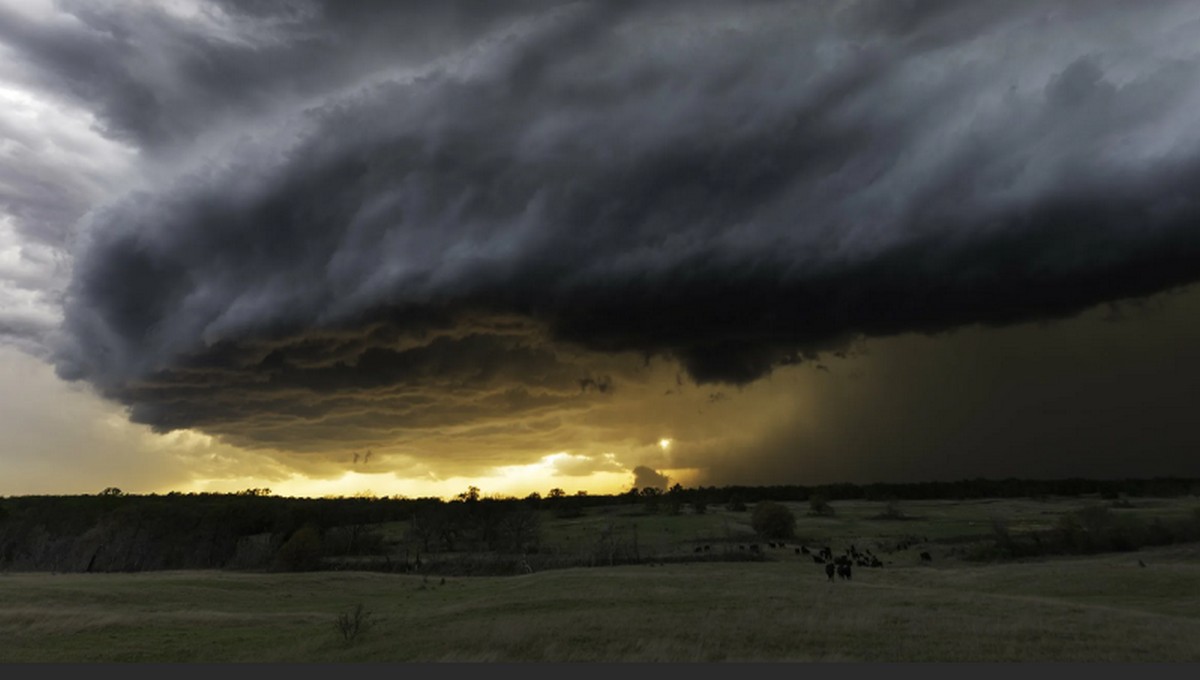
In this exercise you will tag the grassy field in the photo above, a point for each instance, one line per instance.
(782, 608)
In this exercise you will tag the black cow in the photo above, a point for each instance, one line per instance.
(817, 559)
(829, 570)
(926, 557)
(843, 570)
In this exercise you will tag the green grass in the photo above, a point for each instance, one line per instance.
(782, 608)
(1080, 609)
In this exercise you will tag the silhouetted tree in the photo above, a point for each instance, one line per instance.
(773, 520)
(650, 498)
(892, 509)
(301, 551)
(819, 505)
(674, 499)
(520, 531)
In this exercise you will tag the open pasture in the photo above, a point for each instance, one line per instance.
(780, 608)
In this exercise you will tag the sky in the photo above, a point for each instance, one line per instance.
(404, 248)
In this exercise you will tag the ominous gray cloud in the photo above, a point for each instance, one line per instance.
(415, 234)
(159, 74)
(644, 477)
(1098, 396)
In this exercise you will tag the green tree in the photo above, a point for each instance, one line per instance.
(301, 552)
(520, 531)
(650, 497)
(773, 520)
(819, 505)
(674, 499)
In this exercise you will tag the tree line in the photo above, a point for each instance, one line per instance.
(254, 529)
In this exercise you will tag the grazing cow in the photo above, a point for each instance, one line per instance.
(926, 557)
(818, 559)
(829, 570)
(753, 547)
(804, 549)
(843, 570)
(697, 549)
(707, 548)
(797, 551)
(875, 562)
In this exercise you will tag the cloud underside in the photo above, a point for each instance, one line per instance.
(496, 237)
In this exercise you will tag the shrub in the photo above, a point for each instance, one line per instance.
(773, 520)
(891, 510)
(819, 505)
(301, 552)
(351, 624)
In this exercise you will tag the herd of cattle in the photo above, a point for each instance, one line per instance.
(839, 566)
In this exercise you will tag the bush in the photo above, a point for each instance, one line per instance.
(773, 520)
(890, 511)
(351, 624)
(819, 505)
(301, 552)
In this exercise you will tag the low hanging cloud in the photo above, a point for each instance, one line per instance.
(644, 477)
(486, 233)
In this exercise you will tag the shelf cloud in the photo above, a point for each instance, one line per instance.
(406, 217)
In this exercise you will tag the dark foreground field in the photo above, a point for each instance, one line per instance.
(1103, 607)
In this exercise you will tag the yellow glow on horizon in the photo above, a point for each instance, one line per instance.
(517, 481)
(664, 443)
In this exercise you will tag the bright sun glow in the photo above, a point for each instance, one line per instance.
(664, 444)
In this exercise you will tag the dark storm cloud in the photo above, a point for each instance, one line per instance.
(1091, 396)
(158, 78)
(736, 187)
(644, 477)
